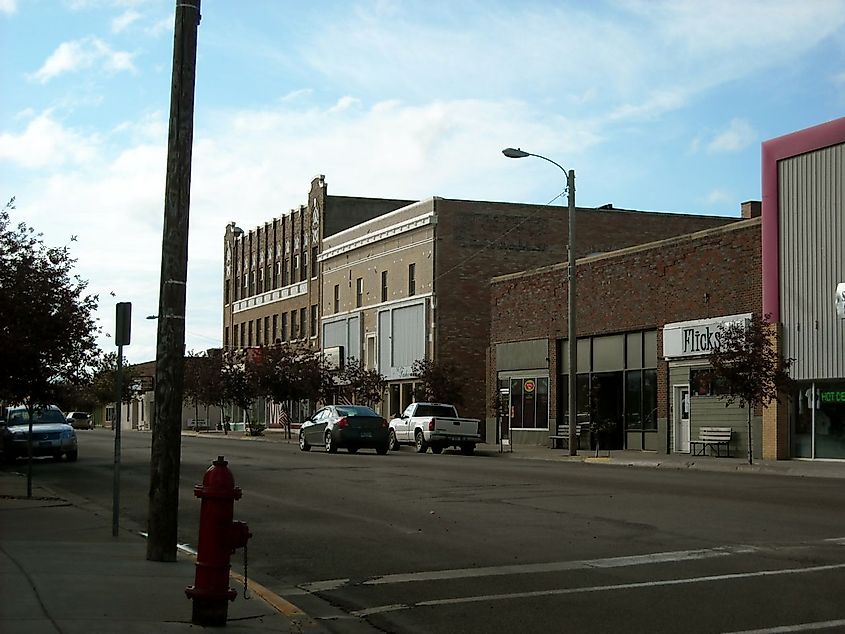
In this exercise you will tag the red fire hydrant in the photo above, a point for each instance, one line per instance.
(219, 537)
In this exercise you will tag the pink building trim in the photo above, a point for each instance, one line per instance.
(774, 150)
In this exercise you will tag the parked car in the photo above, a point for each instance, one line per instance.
(435, 426)
(51, 434)
(349, 426)
(80, 420)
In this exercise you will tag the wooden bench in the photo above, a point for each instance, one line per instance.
(713, 437)
(560, 440)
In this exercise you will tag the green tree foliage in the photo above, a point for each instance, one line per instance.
(47, 324)
(101, 389)
(361, 385)
(438, 382)
(748, 362)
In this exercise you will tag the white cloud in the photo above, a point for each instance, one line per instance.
(80, 55)
(124, 20)
(738, 136)
(46, 143)
(720, 197)
(8, 6)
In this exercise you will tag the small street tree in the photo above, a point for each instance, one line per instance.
(203, 382)
(101, 388)
(47, 323)
(438, 382)
(361, 385)
(240, 386)
(748, 362)
(288, 373)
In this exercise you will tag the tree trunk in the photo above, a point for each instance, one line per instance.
(750, 407)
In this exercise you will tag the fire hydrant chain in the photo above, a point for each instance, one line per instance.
(247, 596)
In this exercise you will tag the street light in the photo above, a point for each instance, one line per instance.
(570, 319)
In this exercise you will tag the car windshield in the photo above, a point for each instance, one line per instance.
(355, 410)
(79, 415)
(42, 416)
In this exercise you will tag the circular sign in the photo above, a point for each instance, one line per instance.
(528, 385)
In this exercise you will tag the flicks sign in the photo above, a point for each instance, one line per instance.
(696, 338)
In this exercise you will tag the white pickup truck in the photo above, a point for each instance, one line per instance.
(434, 425)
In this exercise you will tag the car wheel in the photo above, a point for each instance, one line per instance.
(392, 443)
(437, 449)
(72, 455)
(421, 444)
(383, 449)
(468, 449)
(352, 449)
(303, 444)
(331, 445)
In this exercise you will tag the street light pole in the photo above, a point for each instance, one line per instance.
(572, 331)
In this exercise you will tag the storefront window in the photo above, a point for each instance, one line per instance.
(633, 399)
(819, 421)
(650, 400)
(529, 403)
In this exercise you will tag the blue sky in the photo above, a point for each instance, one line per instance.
(657, 105)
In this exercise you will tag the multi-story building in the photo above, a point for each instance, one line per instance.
(393, 281)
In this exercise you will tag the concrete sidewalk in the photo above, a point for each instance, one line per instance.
(62, 571)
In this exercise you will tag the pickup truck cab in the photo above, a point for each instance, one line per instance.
(435, 426)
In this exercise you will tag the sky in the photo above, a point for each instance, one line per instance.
(656, 104)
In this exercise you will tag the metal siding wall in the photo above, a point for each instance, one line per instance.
(354, 337)
(384, 338)
(812, 254)
(334, 334)
(408, 335)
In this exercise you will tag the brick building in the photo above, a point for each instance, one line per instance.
(631, 303)
(389, 282)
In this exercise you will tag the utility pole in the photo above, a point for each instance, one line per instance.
(163, 516)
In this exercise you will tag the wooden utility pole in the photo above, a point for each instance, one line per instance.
(170, 350)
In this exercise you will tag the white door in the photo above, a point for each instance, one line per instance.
(682, 418)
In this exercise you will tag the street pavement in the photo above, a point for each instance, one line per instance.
(62, 571)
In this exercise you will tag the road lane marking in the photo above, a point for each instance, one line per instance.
(560, 566)
(801, 627)
(564, 591)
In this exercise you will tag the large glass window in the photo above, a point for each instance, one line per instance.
(634, 399)
(619, 371)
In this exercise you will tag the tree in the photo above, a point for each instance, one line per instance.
(438, 382)
(203, 383)
(240, 385)
(746, 360)
(47, 324)
(101, 388)
(288, 373)
(361, 385)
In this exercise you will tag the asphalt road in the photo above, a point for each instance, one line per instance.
(488, 543)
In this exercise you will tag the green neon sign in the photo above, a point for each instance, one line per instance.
(832, 396)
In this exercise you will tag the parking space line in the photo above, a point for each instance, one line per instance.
(800, 627)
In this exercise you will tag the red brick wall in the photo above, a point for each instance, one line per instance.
(477, 240)
(687, 278)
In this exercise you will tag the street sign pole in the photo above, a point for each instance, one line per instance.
(123, 328)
